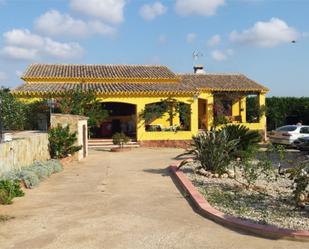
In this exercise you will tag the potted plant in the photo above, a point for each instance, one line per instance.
(120, 139)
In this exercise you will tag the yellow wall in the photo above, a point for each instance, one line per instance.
(140, 103)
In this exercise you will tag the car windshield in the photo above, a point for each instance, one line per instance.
(287, 128)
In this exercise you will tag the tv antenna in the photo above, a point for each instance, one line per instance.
(196, 55)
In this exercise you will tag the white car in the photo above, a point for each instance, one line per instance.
(286, 135)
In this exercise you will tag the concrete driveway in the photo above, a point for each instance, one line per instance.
(117, 200)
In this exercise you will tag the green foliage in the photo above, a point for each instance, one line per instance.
(300, 177)
(212, 150)
(220, 120)
(184, 111)
(251, 171)
(120, 139)
(13, 111)
(33, 110)
(153, 111)
(79, 102)
(9, 190)
(61, 142)
(279, 108)
(170, 106)
(247, 139)
(253, 110)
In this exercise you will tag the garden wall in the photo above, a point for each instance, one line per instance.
(23, 150)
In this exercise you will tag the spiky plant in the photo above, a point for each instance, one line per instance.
(212, 150)
(247, 139)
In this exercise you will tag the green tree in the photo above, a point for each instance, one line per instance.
(13, 111)
(79, 102)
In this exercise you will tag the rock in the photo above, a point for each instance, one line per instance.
(215, 176)
(203, 172)
(301, 198)
(230, 173)
(210, 175)
(225, 175)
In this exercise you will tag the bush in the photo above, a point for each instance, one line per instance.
(120, 139)
(247, 139)
(34, 174)
(29, 178)
(212, 150)
(9, 190)
(13, 111)
(300, 177)
(61, 142)
(251, 171)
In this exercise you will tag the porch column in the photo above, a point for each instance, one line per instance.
(262, 103)
(140, 125)
(210, 111)
(194, 117)
(242, 110)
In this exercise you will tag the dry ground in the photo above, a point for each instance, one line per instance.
(117, 200)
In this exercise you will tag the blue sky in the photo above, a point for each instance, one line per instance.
(247, 36)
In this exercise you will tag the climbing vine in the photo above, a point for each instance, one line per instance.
(170, 106)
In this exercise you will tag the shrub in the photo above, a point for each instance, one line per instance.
(13, 111)
(9, 190)
(300, 177)
(251, 171)
(61, 142)
(212, 150)
(120, 139)
(81, 102)
(247, 139)
(29, 178)
(34, 174)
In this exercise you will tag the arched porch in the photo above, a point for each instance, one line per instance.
(121, 118)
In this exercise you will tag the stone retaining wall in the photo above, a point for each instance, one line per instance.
(23, 150)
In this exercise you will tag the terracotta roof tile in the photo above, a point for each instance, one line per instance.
(63, 71)
(221, 82)
(103, 88)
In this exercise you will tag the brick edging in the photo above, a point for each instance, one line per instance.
(207, 210)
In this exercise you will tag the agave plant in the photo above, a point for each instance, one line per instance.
(247, 139)
(212, 150)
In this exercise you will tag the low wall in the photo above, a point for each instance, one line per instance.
(166, 143)
(23, 150)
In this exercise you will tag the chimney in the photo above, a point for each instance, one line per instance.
(199, 69)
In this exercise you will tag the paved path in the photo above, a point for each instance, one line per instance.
(117, 200)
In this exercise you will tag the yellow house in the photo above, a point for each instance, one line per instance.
(127, 91)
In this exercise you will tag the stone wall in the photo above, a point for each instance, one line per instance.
(77, 124)
(23, 150)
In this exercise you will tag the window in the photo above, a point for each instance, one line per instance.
(304, 130)
(287, 128)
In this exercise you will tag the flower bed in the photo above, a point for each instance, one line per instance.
(269, 203)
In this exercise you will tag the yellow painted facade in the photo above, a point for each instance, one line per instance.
(238, 109)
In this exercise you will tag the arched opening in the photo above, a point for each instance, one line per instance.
(167, 115)
(121, 118)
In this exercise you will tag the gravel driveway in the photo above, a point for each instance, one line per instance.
(117, 200)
